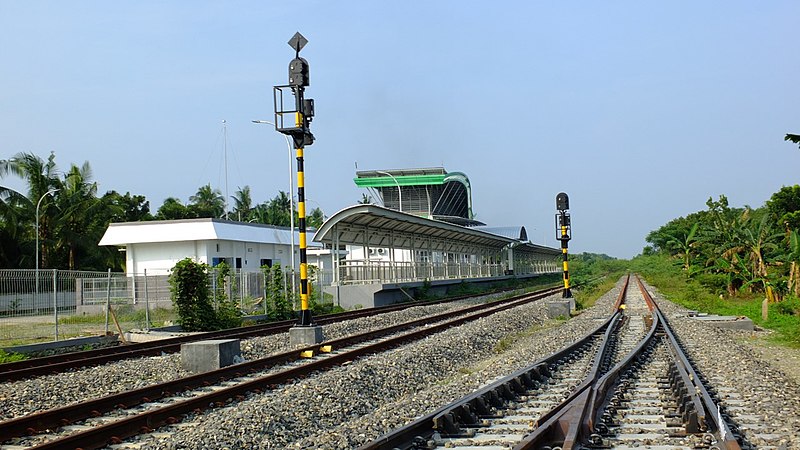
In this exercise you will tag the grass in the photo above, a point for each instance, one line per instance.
(783, 318)
(587, 294)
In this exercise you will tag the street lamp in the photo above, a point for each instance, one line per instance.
(399, 192)
(38, 204)
(291, 198)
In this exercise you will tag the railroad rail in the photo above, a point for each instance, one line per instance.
(29, 368)
(648, 394)
(162, 406)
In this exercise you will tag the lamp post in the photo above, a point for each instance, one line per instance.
(38, 204)
(399, 192)
(291, 199)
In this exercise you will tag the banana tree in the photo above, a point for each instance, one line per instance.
(683, 245)
(793, 257)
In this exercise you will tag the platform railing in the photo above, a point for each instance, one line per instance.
(372, 271)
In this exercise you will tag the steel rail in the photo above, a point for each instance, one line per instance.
(45, 420)
(59, 363)
(577, 419)
(712, 415)
(148, 420)
(505, 388)
(568, 422)
(466, 409)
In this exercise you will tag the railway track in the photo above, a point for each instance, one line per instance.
(641, 390)
(29, 368)
(96, 423)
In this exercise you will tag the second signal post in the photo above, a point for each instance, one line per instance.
(563, 234)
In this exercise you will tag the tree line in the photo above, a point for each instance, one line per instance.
(729, 249)
(73, 217)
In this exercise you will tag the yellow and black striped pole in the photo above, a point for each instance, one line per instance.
(301, 136)
(564, 240)
(563, 225)
(305, 313)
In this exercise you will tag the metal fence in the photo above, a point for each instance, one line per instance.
(58, 304)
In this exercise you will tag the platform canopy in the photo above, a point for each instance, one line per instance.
(376, 226)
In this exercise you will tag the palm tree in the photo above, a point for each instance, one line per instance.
(242, 204)
(315, 218)
(279, 210)
(173, 209)
(41, 177)
(12, 224)
(83, 217)
(261, 213)
(208, 202)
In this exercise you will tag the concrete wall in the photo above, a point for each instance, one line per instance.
(160, 258)
(378, 294)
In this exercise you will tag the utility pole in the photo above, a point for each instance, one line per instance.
(563, 231)
(298, 128)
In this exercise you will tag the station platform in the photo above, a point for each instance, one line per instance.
(370, 295)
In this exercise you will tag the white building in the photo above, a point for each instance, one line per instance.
(155, 246)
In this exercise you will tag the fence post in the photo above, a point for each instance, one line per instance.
(55, 302)
(320, 296)
(264, 272)
(285, 295)
(146, 303)
(108, 297)
(214, 287)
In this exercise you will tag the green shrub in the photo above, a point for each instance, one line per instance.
(789, 306)
(6, 357)
(191, 295)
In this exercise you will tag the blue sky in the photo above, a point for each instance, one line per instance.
(640, 111)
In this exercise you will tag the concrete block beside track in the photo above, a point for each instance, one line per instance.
(560, 308)
(205, 356)
(728, 322)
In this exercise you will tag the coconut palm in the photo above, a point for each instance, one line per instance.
(279, 210)
(13, 227)
(207, 202)
(41, 176)
(83, 218)
(242, 204)
(173, 209)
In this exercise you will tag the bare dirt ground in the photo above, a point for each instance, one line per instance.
(785, 359)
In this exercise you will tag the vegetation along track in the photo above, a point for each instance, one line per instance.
(639, 390)
(28, 368)
(96, 423)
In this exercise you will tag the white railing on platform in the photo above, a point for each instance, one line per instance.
(371, 271)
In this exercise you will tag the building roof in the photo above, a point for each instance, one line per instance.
(376, 225)
(517, 233)
(207, 229)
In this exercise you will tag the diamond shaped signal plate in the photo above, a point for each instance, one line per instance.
(298, 41)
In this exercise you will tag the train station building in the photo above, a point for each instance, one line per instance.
(424, 234)
(421, 234)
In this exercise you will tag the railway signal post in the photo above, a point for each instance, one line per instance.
(563, 230)
(294, 120)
